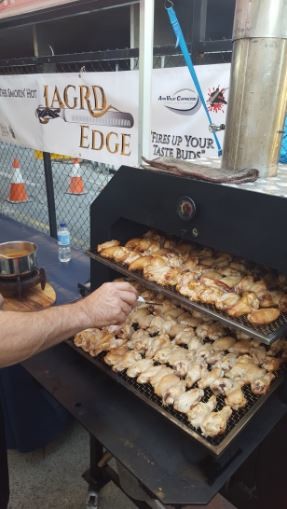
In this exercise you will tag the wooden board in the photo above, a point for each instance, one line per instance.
(34, 300)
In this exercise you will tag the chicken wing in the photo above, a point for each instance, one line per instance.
(149, 373)
(224, 343)
(247, 304)
(127, 361)
(139, 367)
(209, 378)
(108, 244)
(199, 412)
(261, 385)
(162, 387)
(216, 422)
(187, 400)
(263, 316)
(173, 393)
(235, 398)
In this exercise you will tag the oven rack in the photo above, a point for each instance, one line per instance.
(216, 445)
(267, 334)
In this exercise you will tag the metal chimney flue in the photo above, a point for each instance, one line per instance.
(258, 87)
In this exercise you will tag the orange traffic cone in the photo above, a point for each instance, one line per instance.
(76, 185)
(17, 192)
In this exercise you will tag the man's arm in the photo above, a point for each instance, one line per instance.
(24, 334)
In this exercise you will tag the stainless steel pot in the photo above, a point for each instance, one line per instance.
(17, 258)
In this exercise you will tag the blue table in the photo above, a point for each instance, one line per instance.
(32, 416)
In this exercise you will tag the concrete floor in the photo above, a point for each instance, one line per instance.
(51, 478)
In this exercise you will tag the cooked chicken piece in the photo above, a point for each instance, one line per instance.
(86, 336)
(131, 257)
(184, 336)
(263, 316)
(172, 259)
(278, 346)
(224, 343)
(172, 312)
(163, 371)
(164, 353)
(149, 373)
(246, 371)
(176, 356)
(194, 372)
(216, 422)
(272, 364)
(140, 244)
(156, 325)
(181, 366)
(214, 357)
(242, 335)
(156, 344)
(209, 377)
(194, 344)
(117, 253)
(140, 263)
(221, 386)
(226, 362)
(241, 347)
(117, 342)
(210, 278)
(186, 319)
(267, 299)
(235, 398)
(151, 234)
(248, 302)
(206, 252)
(207, 261)
(108, 244)
(115, 355)
(199, 412)
(261, 385)
(204, 351)
(174, 393)
(283, 303)
(258, 354)
(229, 282)
(169, 325)
(211, 330)
(127, 361)
(191, 264)
(210, 295)
(202, 317)
(162, 387)
(190, 290)
(138, 316)
(187, 400)
(159, 271)
(139, 367)
(240, 266)
(184, 249)
(226, 301)
(248, 284)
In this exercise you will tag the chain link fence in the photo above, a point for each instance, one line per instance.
(71, 205)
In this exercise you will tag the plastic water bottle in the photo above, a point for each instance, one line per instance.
(64, 247)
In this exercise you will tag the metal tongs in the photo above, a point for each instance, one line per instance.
(141, 300)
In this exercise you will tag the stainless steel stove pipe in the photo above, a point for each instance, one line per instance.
(258, 87)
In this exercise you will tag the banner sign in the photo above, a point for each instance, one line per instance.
(95, 115)
(10, 8)
(89, 116)
(179, 123)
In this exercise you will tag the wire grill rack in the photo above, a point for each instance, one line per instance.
(265, 333)
(237, 422)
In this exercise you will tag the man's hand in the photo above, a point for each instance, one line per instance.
(110, 304)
